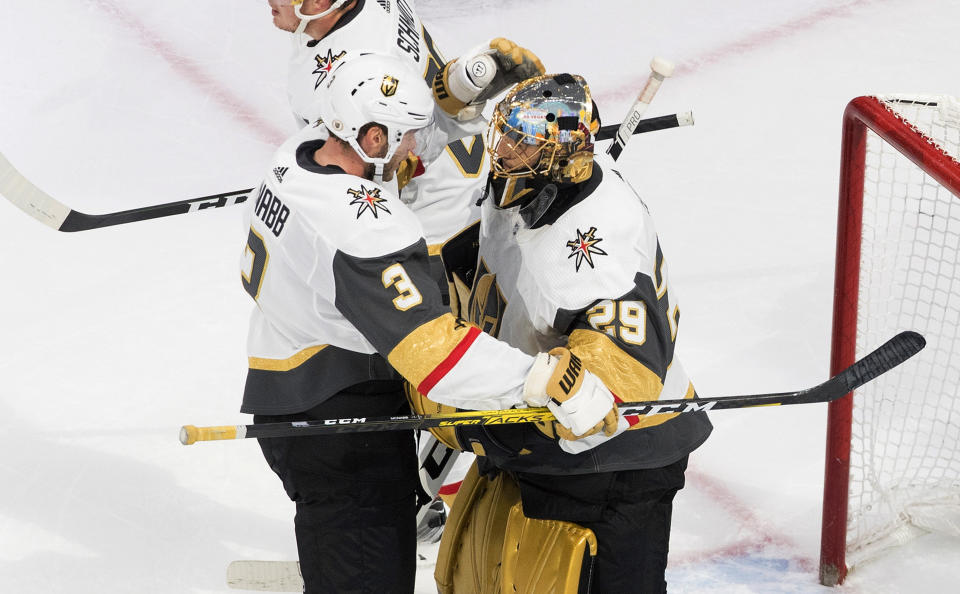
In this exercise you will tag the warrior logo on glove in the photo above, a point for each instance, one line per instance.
(571, 376)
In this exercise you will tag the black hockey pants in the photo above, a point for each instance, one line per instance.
(628, 510)
(355, 495)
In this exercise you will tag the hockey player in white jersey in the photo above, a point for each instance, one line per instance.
(569, 258)
(443, 195)
(327, 31)
(345, 306)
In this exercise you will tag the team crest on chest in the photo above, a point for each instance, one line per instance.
(368, 200)
(325, 64)
(585, 247)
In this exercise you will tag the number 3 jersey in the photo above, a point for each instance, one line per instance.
(590, 275)
(339, 270)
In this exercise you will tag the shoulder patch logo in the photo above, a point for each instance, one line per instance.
(325, 65)
(280, 172)
(389, 86)
(585, 247)
(368, 200)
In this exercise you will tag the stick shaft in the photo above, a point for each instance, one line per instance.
(659, 70)
(892, 353)
(666, 122)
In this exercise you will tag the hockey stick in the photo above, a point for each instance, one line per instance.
(892, 353)
(53, 213)
(265, 576)
(659, 70)
(48, 210)
(675, 120)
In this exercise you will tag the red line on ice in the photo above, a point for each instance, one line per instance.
(193, 73)
(750, 43)
(761, 535)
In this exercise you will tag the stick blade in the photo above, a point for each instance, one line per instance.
(884, 358)
(29, 198)
(265, 576)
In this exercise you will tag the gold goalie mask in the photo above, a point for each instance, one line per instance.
(543, 129)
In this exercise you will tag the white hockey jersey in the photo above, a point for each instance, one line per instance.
(444, 197)
(593, 278)
(339, 270)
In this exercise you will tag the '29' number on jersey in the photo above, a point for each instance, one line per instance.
(626, 319)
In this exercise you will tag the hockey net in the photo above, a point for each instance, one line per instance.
(893, 450)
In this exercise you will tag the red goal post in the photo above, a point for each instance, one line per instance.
(897, 267)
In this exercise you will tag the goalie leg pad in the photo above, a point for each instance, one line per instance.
(468, 561)
(546, 556)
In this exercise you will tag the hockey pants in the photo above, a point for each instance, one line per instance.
(355, 495)
(629, 511)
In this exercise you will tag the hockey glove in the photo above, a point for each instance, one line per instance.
(483, 72)
(579, 400)
(409, 168)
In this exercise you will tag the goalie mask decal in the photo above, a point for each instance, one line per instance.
(368, 200)
(585, 247)
(325, 65)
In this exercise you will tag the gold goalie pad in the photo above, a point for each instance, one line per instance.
(424, 406)
(468, 561)
(490, 547)
(545, 556)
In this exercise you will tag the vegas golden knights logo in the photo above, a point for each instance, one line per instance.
(325, 65)
(487, 303)
(389, 85)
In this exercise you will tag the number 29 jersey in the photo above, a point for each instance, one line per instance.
(595, 280)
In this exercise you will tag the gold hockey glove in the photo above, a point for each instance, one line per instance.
(481, 73)
(579, 400)
(409, 168)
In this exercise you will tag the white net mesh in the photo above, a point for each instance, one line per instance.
(905, 448)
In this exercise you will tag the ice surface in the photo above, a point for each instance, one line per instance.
(113, 339)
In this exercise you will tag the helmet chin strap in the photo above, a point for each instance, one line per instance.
(378, 173)
(378, 163)
(306, 18)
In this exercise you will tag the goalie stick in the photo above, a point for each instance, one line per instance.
(659, 70)
(48, 210)
(890, 354)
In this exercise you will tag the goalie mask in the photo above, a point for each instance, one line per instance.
(543, 130)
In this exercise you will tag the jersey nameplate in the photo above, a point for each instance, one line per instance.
(271, 211)
(408, 34)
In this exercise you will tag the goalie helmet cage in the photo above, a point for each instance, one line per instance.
(892, 458)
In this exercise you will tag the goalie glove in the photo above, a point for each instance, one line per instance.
(481, 73)
(579, 400)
